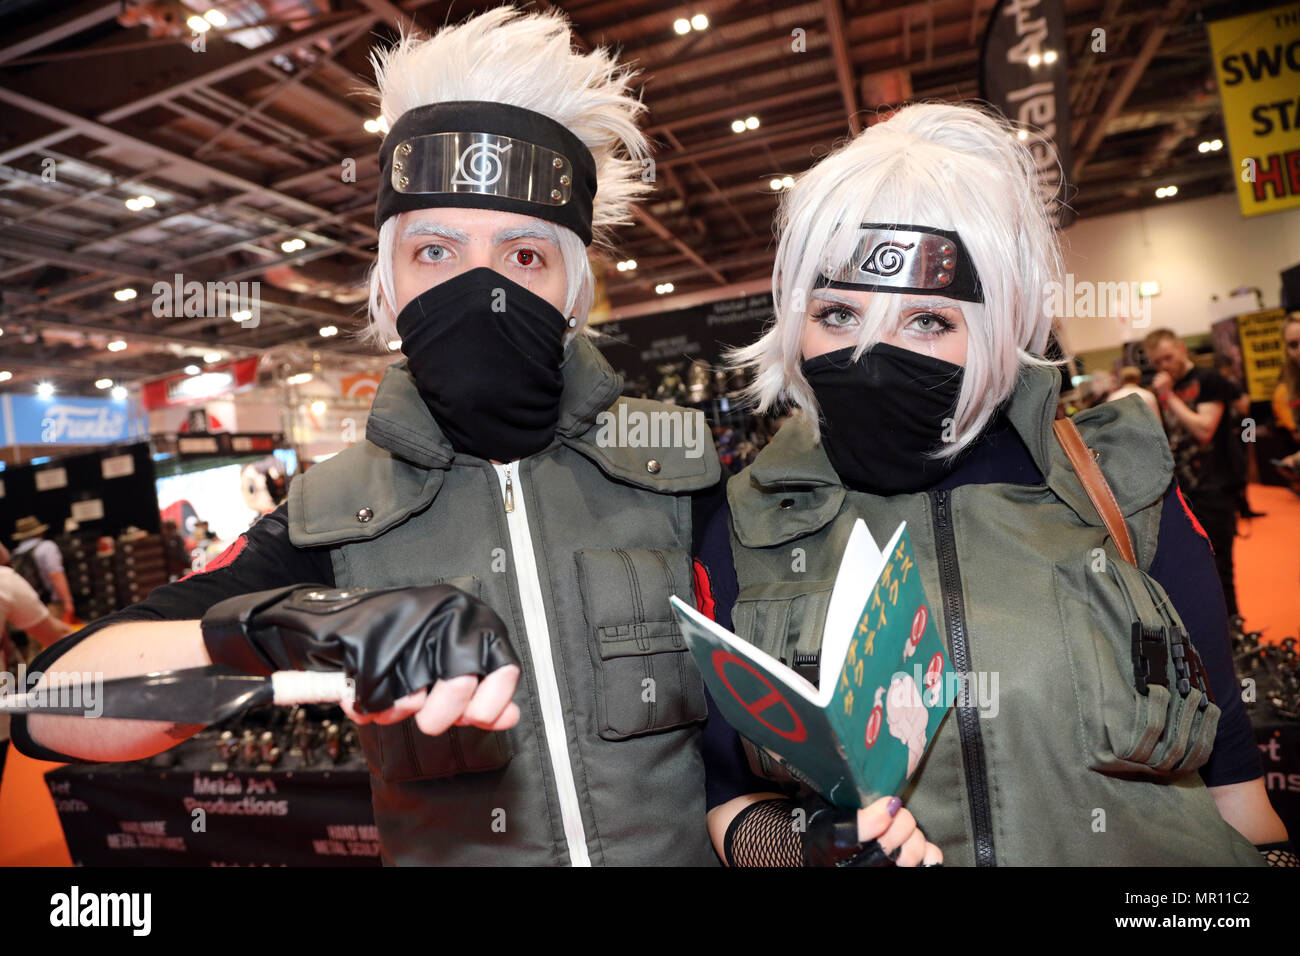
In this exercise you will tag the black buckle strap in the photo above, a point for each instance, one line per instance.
(1150, 657)
(1182, 673)
(1199, 673)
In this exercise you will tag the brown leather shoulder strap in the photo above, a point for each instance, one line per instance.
(1094, 482)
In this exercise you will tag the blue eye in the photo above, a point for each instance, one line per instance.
(930, 323)
(835, 317)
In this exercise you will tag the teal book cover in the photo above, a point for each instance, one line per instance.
(862, 730)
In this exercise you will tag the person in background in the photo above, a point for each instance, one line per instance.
(177, 555)
(1236, 410)
(1286, 398)
(40, 562)
(1130, 377)
(22, 609)
(1195, 402)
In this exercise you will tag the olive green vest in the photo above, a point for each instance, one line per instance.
(611, 534)
(1062, 760)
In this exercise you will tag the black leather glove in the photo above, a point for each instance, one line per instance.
(831, 837)
(391, 642)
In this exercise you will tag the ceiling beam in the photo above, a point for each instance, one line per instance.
(71, 22)
(1164, 18)
(843, 67)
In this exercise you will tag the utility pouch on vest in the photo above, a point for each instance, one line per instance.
(1151, 713)
(402, 752)
(646, 678)
(1174, 719)
(785, 619)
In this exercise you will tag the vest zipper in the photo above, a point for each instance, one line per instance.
(972, 744)
(538, 636)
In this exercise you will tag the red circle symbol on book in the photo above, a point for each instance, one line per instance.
(918, 624)
(769, 700)
(873, 725)
(933, 670)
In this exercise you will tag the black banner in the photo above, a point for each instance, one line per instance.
(650, 349)
(1023, 74)
(177, 818)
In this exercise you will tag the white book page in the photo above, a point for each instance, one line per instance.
(859, 570)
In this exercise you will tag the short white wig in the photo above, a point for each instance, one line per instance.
(943, 165)
(524, 60)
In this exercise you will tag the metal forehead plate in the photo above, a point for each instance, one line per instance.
(483, 163)
(900, 258)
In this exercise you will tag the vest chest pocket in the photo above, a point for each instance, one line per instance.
(1141, 690)
(646, 679)
(784, 619)
(401, 752)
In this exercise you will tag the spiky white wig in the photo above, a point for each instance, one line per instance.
(525, 60)
(944, 165)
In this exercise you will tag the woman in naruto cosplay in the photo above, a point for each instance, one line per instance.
(909, 334)
(492, 575)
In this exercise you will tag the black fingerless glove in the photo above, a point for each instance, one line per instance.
(832, 837)
(809, 832)
(391, 642)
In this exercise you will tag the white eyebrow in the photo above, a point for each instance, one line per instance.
(537, 230)
(931, 302)
(428, 227)
(829, 295)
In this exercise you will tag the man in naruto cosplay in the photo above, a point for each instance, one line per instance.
(492, 575)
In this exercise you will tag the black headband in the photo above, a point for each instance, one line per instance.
(902, 258)
(486, 155)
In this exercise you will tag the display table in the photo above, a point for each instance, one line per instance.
(130, 816)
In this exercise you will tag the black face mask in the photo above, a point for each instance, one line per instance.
(882, 414)
(486, 354)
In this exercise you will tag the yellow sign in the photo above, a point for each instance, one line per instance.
(1257, 60)
(1261, 351)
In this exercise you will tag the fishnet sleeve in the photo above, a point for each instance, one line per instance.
(765, 833)
(1279, 854)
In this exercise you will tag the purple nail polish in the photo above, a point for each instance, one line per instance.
(894, 805)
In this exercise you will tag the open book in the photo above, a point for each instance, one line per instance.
(861, 732)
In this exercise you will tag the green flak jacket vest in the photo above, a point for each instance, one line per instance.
(610, 531)
(1062, 761)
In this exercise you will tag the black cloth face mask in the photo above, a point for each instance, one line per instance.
(883, 414)
(486, 354)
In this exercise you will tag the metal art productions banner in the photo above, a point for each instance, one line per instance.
(286, 818)
(1257, 61)
(1023, 73)
(643, 348)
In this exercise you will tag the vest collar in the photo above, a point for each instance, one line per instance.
(401, 423)
(1033, 409)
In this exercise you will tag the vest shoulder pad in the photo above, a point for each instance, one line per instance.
(654, 445)
(358, 494)
(1132, 452)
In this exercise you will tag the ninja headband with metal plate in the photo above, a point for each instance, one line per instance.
(901, 258)
(486, 156)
